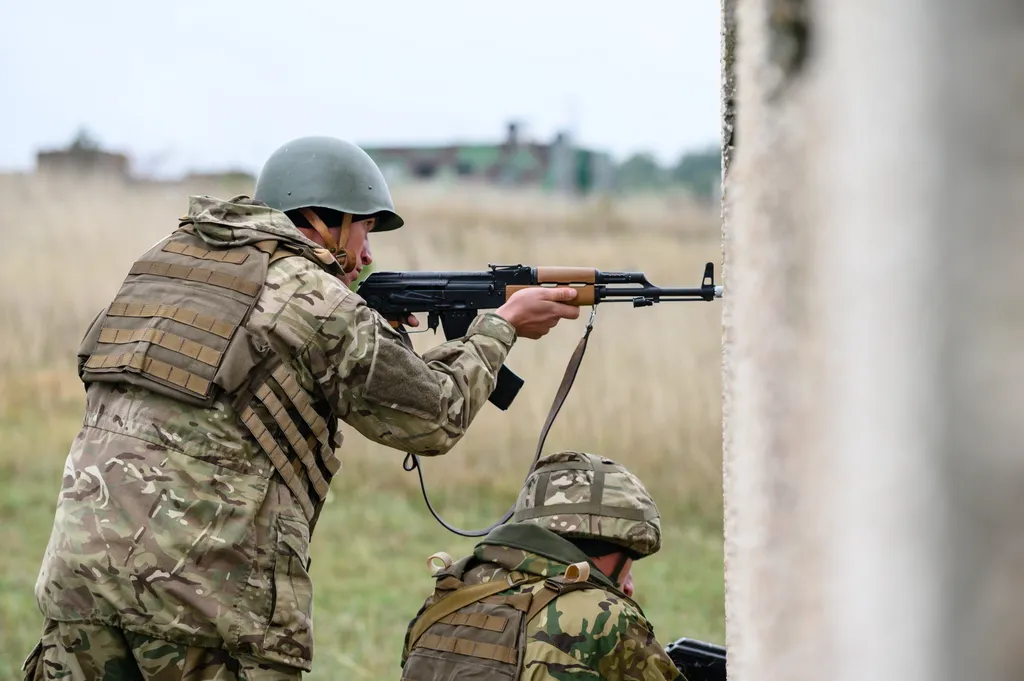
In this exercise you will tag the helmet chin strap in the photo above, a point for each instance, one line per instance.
(348, 261)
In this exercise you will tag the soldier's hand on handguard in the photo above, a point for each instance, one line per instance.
(535, 311)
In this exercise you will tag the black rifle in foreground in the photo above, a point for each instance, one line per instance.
(454, 298)
(698, 661)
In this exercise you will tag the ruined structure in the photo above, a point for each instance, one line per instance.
(874, 325)
(559, 165)
(83, 157)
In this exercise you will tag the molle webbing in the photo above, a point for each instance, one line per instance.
(147, 366)
(176, 324)
(463, 596)
(294, 436)
(473, 620)
(198, 274)
(232, 256)
(279, 459)
(476, 619)
(471, 629)
(304, 405)
(164, 339)
(182, 315)
(462, 646)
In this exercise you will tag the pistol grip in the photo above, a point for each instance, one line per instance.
(505, 388)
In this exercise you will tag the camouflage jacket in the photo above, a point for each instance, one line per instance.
(596, 633)
(171, 520)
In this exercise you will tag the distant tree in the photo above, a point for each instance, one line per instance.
(641, 171)
(84, 141)
(700, 171)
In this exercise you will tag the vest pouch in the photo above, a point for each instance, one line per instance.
(481, 641)
(89, 341)
(289, 639)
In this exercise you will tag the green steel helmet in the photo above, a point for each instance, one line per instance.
(326, 172)
(583, 496)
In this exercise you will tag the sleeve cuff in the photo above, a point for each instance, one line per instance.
(490, 324)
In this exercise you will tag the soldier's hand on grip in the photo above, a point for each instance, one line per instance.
(535, 311)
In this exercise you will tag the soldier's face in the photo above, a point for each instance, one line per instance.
(359, 243)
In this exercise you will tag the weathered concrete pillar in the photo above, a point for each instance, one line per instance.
(874, 342)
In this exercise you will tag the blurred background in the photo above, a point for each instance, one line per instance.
(569, 133)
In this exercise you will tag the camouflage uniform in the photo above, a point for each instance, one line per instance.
(562, 618)
(178, 543)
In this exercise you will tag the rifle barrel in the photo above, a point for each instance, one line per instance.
(655, 293)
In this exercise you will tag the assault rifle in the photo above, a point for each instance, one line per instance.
(454, 298)
(698, 661)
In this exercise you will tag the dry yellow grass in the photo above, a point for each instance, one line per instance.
(648, 392)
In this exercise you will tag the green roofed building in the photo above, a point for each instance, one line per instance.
(557, 166)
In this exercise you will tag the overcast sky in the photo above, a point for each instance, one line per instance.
(184, 84)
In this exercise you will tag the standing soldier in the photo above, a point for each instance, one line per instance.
(216, 381)
(549, 596)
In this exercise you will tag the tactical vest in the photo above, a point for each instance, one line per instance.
(177, 326)
(469, 631)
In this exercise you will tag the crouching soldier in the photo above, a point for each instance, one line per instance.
(549, 595)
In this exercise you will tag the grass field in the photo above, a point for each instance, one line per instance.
(648, 394)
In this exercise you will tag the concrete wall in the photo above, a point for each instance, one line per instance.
(874, 341)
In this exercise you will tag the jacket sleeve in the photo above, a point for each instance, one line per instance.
(391, 395)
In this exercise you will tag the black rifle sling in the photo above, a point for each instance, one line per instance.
(412, 461)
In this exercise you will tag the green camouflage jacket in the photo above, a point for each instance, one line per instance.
(594, 634)
(171, 522)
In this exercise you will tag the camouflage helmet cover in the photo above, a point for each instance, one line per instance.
(580, 495)
(330, 173)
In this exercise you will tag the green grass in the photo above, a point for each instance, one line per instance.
(369, 553)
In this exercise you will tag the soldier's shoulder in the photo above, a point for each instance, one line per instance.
(584, 603)
(605, 632)
(302, 304)
(595, 614)
(296, 282)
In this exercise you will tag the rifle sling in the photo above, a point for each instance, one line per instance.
(571, 369)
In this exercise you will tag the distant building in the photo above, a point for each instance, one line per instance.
(558, 166)
(83, 157)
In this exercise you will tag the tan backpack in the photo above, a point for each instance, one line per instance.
(469, 631)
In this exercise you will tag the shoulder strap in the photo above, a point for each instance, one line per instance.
(576, 578)
(458, 600)
(280, 254)
(555, 587)
(541, 600)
